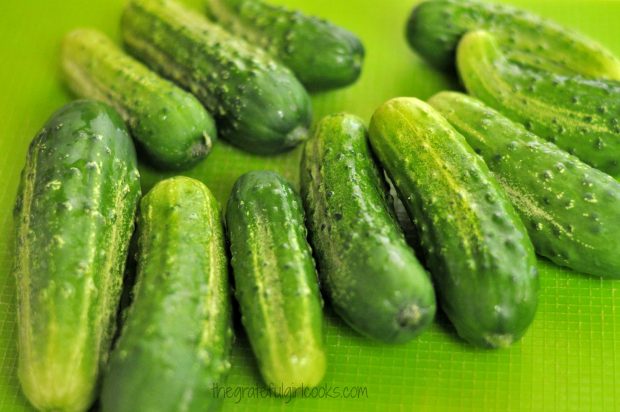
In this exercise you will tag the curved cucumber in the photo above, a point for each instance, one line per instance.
(169, 123)
(476, 247)
(572, 211)
(322, 55)
(176, 340)
(74, 217)
(371, 275)
(259, 104)
(436, 27)
(578, 115)
(275, 280)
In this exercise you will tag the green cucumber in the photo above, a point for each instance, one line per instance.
(74, 217)
(578, 115)
(169, 124)
(477, 249)
(321, 54)
(571, 210)
(373, 279)
(436, 27)
(176, 340)
(259, 105)
(275, 280)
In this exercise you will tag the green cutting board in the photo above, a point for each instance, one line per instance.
(569, 359)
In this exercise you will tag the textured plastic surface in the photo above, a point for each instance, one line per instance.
(568, 361)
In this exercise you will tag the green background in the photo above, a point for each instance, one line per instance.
(568, 361)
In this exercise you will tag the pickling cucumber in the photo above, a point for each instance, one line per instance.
(580, 116)
(275, 280)
(571, 210)
(482, 262)
(74, 217)
(258, 103)
(169, 124)
(321, 54)
(436, 27)
(372, 277)
(176, 340)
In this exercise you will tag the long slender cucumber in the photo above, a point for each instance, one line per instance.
(275, 280)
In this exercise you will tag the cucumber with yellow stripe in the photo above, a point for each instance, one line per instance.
(571, 210)
(74, 217)
(176, 340)
(371, 275)
(275, 280)
(476, 247)
(579, 115)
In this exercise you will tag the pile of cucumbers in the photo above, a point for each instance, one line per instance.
(523, 165)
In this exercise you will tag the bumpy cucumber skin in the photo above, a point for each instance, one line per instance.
(275, 280)
(74, 217)
(477, 249)
(373, 279)
(578, 115)
(169, 123)
(322, 55)
(259, 105)
(175, 344)
(436, 27)
(571, 210)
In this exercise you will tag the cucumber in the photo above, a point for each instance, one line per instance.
(578, 115)
(169, 124)
(275, 280)
(482, 262)
(258, 104)
(321, 54)
(436, 27)
(176, 340)
(74, 216)
(571, 210)
(373, 279)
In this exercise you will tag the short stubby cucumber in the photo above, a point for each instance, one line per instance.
(169, 124)
(275, 280)
(578, 115)
(571, 210)
(321, 54)
(258, 103)
(370, 274)
(436, 27)
(175, 345)
(482, 262)
(74, 217)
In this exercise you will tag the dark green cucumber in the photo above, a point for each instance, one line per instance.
(321, 54)
(436, 27)
(74, 217)
(275, 280)
(169, 123)
(571, 210)
(176, 340)
(373, 279)
(477, 249)
(578, 115)
(259, 104)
